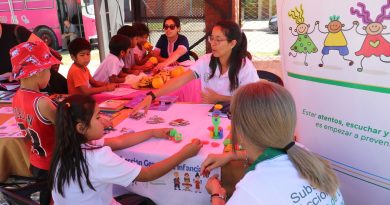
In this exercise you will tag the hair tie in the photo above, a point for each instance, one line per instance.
(288, 146)
(67, 105)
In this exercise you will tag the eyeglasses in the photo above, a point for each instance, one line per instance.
(212, 39)
(172, 27)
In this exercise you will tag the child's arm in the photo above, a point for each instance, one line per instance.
(93, 90)
(145, 67)
(47, 109)
(116, 79)
(131, 139)
(140, 61)
(96, 83)
(158, 169)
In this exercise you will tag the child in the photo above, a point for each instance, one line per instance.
(79, 78)
(82, 172)
(34, 112)
(130, 64)
(110, 70)
(139, 51)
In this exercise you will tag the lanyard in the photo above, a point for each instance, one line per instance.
(268, 153)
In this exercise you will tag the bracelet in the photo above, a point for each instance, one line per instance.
(151, 94)
(221, 196)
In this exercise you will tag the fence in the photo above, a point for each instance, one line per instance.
(255, 15)
(190, 12)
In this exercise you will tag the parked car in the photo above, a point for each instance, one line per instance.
(273, 24)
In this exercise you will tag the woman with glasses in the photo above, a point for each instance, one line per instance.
(221, 72)
(281, 172)
(171, 47)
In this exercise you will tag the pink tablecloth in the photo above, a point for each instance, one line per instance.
(188, 93)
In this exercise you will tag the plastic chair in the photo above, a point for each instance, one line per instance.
(270, 77)
(20, 191)
(193, 55)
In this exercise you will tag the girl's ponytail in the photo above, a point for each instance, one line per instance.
(68, 161)
(313, 168)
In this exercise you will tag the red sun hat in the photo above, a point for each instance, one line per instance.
(30, 58)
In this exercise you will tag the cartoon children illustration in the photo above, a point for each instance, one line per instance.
(176, 181)
(374, 43)
(187, 182)
(335, 40)
(303, 44)
(197, 182)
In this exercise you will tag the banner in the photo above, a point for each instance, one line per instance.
(336, 63)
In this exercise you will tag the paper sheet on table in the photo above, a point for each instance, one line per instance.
(10, 129)
(133, 79)
(121, 91)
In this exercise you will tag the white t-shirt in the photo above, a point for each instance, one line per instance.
(221, 84)
(105, 169)
(140, 52)
(276, 181)
(129, 59)
(111, 65)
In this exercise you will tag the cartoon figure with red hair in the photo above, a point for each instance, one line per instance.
(374, 43)
(303, 44)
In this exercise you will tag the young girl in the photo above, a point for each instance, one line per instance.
(221, 72)
(263, 121)
(82, 171)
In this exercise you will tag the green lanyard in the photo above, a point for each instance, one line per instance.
(268, 153)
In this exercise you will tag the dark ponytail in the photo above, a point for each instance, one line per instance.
(68, 162)
(237, 58)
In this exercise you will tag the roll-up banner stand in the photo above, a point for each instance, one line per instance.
(336, 63)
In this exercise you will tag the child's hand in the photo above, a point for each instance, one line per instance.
(191, 149)
(213, 161)
(111, 86)
(213, 186)
(161, 133)
(148, 65)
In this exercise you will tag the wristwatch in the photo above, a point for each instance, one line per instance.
(221, 196)
(151, 94)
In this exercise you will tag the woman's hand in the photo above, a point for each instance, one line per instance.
(145, 104)
(191, 149)
(160, 66)
(213, 161)
(161, 133)
(210, 96)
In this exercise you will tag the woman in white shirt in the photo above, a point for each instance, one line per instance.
(263, 121)
(220, 72)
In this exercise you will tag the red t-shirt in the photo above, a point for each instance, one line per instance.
(34, 126)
